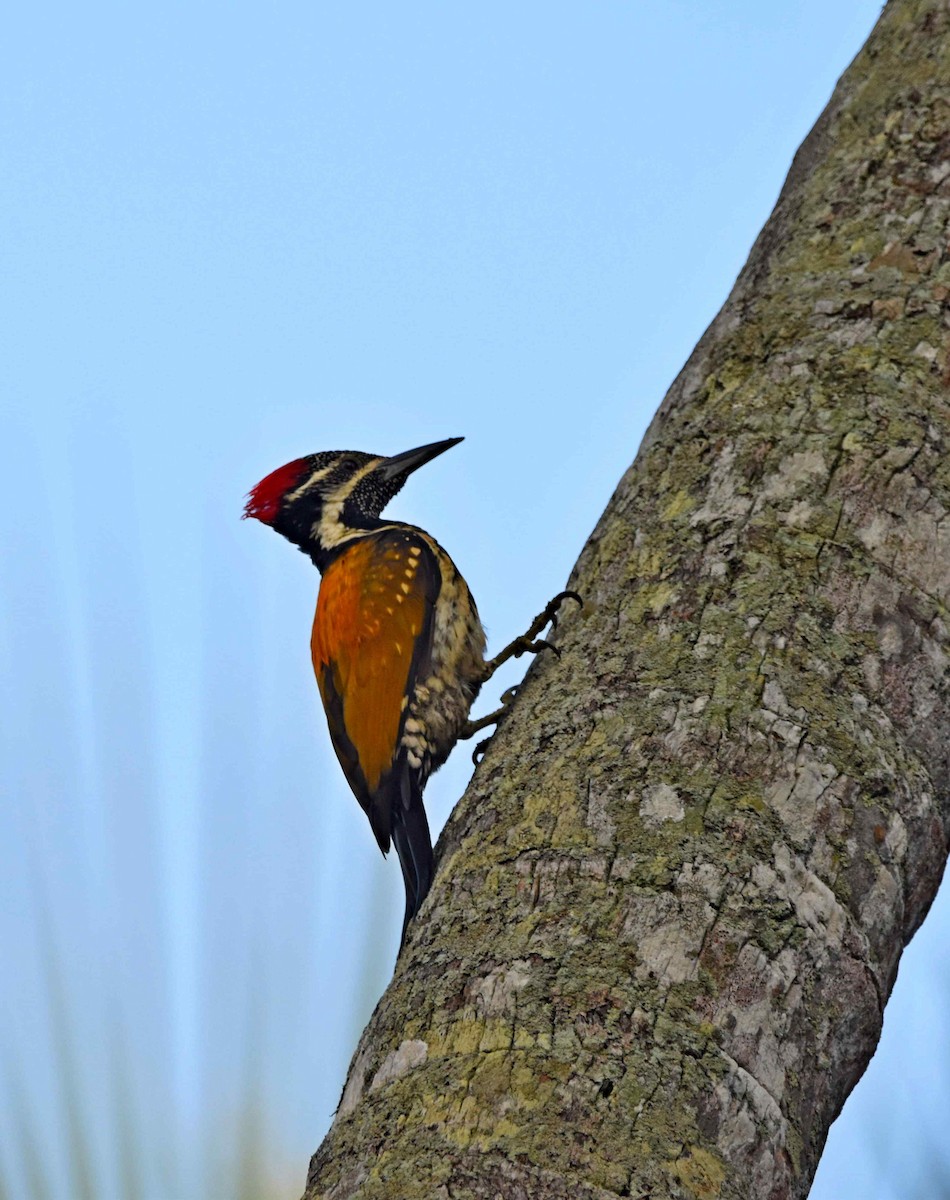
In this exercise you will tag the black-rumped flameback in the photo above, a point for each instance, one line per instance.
(397, 645)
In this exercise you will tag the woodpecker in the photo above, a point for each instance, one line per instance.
(397, 645)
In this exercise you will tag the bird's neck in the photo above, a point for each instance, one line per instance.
(331, 535)
(333, 538)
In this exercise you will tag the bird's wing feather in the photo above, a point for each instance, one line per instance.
(372, 641)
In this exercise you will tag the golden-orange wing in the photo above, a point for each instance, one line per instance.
(372, 639)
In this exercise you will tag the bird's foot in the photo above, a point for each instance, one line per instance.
(470, 728)
(529, 642)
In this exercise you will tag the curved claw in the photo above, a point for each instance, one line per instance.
(541, 644)
(508, 695)
(556, 603)
(562, 596)
(479, 752)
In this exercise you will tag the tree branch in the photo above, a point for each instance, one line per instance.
(671, 904)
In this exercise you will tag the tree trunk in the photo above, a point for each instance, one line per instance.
(670, 906)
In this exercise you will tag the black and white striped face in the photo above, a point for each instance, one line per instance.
(304, 500)
(325, 499)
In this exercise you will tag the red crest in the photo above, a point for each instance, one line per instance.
(263, 501)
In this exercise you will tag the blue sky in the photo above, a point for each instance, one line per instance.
(233, 235)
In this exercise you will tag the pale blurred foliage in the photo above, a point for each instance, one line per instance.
(232, 1154)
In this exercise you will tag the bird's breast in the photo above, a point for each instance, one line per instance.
(443, 697)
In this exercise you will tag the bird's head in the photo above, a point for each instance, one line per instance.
(322, 500)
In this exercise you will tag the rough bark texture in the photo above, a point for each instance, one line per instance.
(670, 907)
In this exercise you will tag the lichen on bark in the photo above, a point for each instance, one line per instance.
(669, 908)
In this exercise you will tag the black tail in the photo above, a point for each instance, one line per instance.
(414, 847)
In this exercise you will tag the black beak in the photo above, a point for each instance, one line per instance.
(410, 460)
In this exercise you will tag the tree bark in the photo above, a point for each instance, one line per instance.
(670, 907)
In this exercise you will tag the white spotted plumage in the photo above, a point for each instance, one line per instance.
(440, 703)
